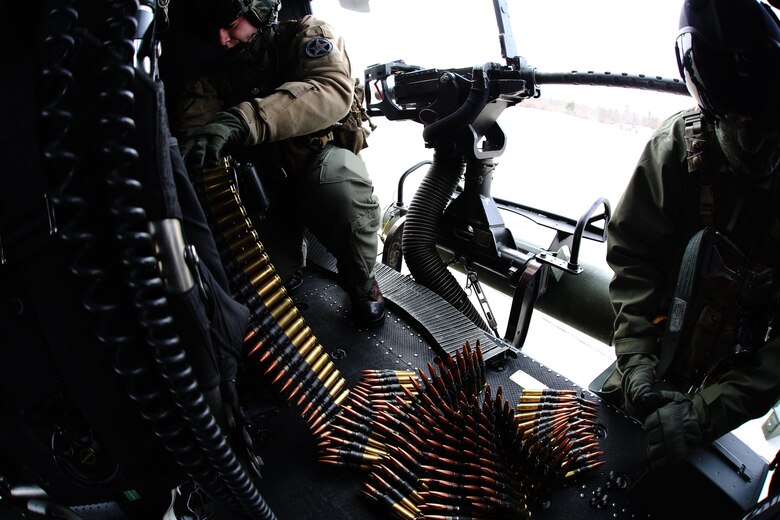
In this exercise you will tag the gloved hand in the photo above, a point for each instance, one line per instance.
(205, 146)
(673, 431)
(638, 394)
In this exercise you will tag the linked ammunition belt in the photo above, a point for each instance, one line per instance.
(429, 448)
(426, 443)
(278, 338)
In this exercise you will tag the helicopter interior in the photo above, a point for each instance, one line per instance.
(415, 419)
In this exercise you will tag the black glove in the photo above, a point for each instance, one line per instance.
(673, 431)
(205, 146)
(638, 394)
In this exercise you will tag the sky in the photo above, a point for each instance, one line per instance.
(618, 36)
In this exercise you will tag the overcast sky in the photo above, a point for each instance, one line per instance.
(618, 36)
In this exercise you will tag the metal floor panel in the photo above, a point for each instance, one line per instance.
(442, 324)
(296, 486)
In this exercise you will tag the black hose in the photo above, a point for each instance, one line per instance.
(435, 192)
(213, 457)
(448, 128)
(421, 227)
(119, 160)
(164, 386)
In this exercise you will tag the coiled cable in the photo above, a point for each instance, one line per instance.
(168, 391)
(233, 486)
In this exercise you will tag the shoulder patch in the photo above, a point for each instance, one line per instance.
(319, 47)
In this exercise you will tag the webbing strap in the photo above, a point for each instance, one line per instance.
(694, 146)
(686, 279)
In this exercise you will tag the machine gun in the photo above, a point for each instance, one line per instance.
(459, 110)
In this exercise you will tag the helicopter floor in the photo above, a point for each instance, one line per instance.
(721, 482)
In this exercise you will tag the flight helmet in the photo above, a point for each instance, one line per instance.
(728, 53)
(260, 13)
(205, 17)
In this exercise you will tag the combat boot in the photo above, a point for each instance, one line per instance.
(368, 310)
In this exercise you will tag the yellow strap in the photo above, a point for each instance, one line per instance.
(658, 319)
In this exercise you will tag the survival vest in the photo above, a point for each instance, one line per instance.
(725, 300)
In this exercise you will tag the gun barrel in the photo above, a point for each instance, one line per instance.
(609, 79)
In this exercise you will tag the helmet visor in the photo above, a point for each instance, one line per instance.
(723, 81)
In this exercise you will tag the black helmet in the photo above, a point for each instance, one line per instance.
(205, 17)
(728, 53)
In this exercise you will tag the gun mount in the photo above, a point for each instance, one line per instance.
(459, 110)
(411, 92)
(453, 104)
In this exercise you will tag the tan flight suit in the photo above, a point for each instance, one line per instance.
(291, 86)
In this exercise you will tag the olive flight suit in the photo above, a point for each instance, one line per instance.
(659, 212)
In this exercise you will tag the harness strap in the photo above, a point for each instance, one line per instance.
(689, 267)
(694, 146)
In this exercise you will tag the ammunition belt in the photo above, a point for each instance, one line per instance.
(278, 339)
(421, 439)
